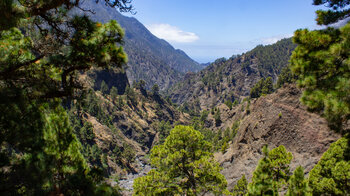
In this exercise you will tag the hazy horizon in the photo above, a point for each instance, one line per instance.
(207, 31)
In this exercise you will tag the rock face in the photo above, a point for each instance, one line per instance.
(232, 78)
(273, 120)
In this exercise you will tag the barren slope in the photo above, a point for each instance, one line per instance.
(276, 119)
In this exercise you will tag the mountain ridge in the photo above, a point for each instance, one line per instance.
(231, 79)
(151, 59)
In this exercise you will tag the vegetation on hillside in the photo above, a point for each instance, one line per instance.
(49, 143)
(271, 59)
(150, 59)
(263, 87)
(227, 80)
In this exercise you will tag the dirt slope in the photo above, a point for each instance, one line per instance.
(276, 119)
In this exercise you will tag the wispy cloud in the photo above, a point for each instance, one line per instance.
(172, 33)
(274, 39)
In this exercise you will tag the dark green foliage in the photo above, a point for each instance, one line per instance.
(191, 109)
(217, 118)
(141, 85)
(271, 173)
(338, 11)
(285, 77)
(298, 185)
(12, 14)
(241, 188)
(320, 61)
(51, 163)
(262, 183)
(183, 165)
(331, 175)
(85, 134)
(159, 111)
(155, 90)
(208, 134)
(123, 154)
(42, 50)
(263, 87)
(279, 165)
(271, 58)
(92, 105)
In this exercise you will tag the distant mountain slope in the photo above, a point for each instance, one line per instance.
(233, 78)
(150, 58)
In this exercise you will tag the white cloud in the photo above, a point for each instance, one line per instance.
(274, 39)
(172, 33)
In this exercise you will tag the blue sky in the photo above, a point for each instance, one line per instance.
(207, 30)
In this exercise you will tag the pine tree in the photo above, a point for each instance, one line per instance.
(155, 90)
(217, 118)
(267, 87)
(183, 165)
(280, 160)
(241, 188)
(321, 63)
(331, 175)
(262, 183)
(271, 173)
(298, 185)
(263, 87)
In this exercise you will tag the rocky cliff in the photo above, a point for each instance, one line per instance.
(275, 119)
